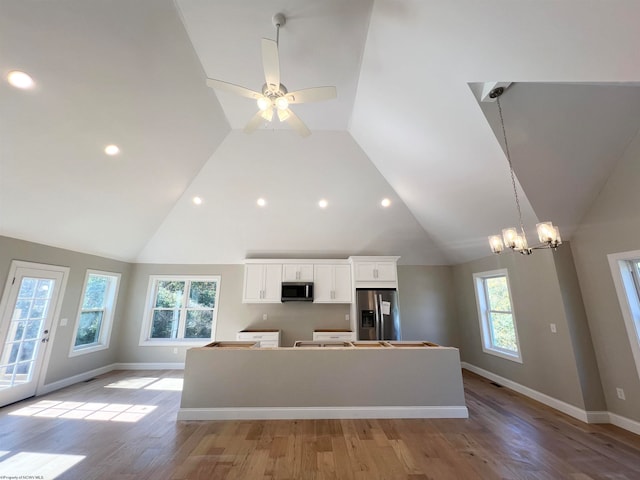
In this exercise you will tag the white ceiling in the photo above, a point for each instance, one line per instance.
(406, 124)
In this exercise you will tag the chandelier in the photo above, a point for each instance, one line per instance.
(548, 234)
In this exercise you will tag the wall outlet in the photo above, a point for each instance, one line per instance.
(620, 393)
(265, 316)
(63, 322)
(346, 317)
(553, 328)
(175, 351)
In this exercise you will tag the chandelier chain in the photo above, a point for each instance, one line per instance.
(513, 178)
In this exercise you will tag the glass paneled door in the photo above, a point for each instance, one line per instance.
(28, 309)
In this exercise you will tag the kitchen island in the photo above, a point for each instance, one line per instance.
(235, 380)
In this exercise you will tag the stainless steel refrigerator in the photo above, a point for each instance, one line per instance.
(378, 315)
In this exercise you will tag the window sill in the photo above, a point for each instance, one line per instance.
(499, 353)
(83, 351)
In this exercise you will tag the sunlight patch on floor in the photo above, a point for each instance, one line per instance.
(45, 466)
(148, 383)
(173, 384)
(114, 412)
(133, 383)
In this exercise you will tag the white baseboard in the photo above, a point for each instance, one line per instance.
(299, 413)
(564, 407)
(624, 422)
(598, 416)
(148, 366)
(81, 377)
(575, 412)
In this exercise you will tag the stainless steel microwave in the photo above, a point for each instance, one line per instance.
(297, 291)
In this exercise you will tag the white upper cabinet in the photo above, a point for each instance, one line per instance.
(293, 272)
(372, 272)
(262, 283)
(375, 271)
(332, 284)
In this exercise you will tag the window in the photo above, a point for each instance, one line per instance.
(95, 315)
(497, 321)
(180, 310)
(625, 268)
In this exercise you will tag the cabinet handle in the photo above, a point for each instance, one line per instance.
(375, 273)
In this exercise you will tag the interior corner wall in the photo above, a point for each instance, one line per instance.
(61, 366)
(427, 304)
(578, 325)
(612, 225)
(548, 360)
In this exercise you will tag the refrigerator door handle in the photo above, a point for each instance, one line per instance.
(379, 302)
(377, 316)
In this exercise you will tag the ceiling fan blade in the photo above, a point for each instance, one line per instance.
(271, 64)
(233, 88)
(298, 125)
(315, 94)
(254, 123)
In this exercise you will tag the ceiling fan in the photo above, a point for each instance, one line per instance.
(274, 97)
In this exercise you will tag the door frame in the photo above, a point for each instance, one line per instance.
(4, 305)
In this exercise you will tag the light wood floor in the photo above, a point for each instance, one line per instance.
(132, 433)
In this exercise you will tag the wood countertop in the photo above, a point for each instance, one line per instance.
(331, 330)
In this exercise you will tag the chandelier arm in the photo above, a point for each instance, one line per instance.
(513, 178)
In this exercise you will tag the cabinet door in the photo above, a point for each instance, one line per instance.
(253, 283)
(292, 272)
(272, 283)
(365, 271)
(342, 284)
(323, 283)
(385, 271)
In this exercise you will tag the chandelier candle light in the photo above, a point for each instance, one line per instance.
(548, 234)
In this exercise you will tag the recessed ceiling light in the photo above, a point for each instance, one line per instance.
(323, 203)
(196, 200)
(112, 150)
(261, 202)
(20, 80)
(385, 202)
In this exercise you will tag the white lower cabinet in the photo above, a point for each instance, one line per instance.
(332, 284)
(339, 336)
(267, 338)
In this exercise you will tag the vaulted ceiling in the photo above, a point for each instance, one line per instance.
(407, 124)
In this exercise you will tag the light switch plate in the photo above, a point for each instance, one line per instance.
(620, 393)
(553, 328)
(63, 322)
(264, 316)
(346, 317)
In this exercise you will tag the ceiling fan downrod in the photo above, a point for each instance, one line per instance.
(278, 21)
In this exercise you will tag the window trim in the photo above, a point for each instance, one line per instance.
(104, 339)
(628, 293)
(145, 341)
(485, 325)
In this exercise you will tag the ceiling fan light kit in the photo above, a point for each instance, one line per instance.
(548, 234)
(274, 96)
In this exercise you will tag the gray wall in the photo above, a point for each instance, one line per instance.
(427, 304)
(549, 360)
(426, 308)
(296, 320)
(60, 365)
(612, 225)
